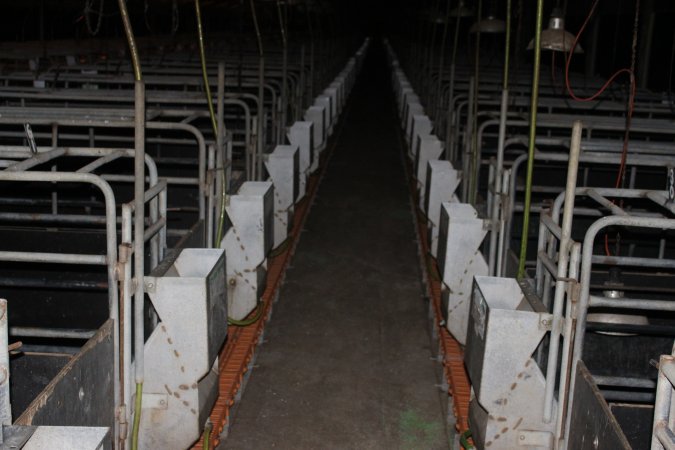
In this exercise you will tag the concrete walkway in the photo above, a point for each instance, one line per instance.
(347, 360)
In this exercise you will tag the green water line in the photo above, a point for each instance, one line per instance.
(532, 136)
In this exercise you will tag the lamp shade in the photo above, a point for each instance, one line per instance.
(555, 37)
(461, 10)
(489, 25)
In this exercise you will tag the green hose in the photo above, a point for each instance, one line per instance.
(212, 115)
(207, 435)
(138, 76)
(137, 416)
(533, 135)
(246, 322)
(464, 440)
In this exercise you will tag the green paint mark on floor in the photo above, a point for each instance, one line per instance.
(417, 433)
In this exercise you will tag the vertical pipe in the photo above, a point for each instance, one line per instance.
(311, 53)
(139, 249)
(220, 177)
(449, 132)
(468, 133)
(5, 404)
(257, 167)
(139, 184)
(474, 163)
(261, 119)
(125, 255)
(441, 64)
(532, 137)
(427, 90)
(497, 201)
(646, 39)
(503, 112)
(662, 405)
(301, 86)
(502, 227)
(55, 142)
(563, 261)
(284, 75)
(211, 193)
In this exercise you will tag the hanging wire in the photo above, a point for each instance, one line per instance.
(257, 28)
(146, 7)
(175, 17)
(629, 71)
(531, 141)
(88, 9)
(282, 22)
(621, 174)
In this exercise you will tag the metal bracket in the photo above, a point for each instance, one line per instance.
(150, 284)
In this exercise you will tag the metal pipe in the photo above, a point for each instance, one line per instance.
(565, 375)
(643, 383)
(212, 173)
(111, 246)
(634, 261)
(5, 403)
(100, 162)
(662, 405)
(497, 200)
(221, 179)
(51, 333)
(585, 278)
(53, 218)
(532, 137)
(41, 283)
(54, 258)
(563, 261)
(284, 74)
(665, 436)
(139, 252)
(126, 325)
(631, 303)
(606, 203)
(36, 160)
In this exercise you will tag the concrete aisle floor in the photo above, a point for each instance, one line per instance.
(347, 361)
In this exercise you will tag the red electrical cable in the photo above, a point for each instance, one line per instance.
(631, 98)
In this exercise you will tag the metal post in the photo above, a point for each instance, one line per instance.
(563, 262)
(532, 137)
(139, 227)
(5, 404)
